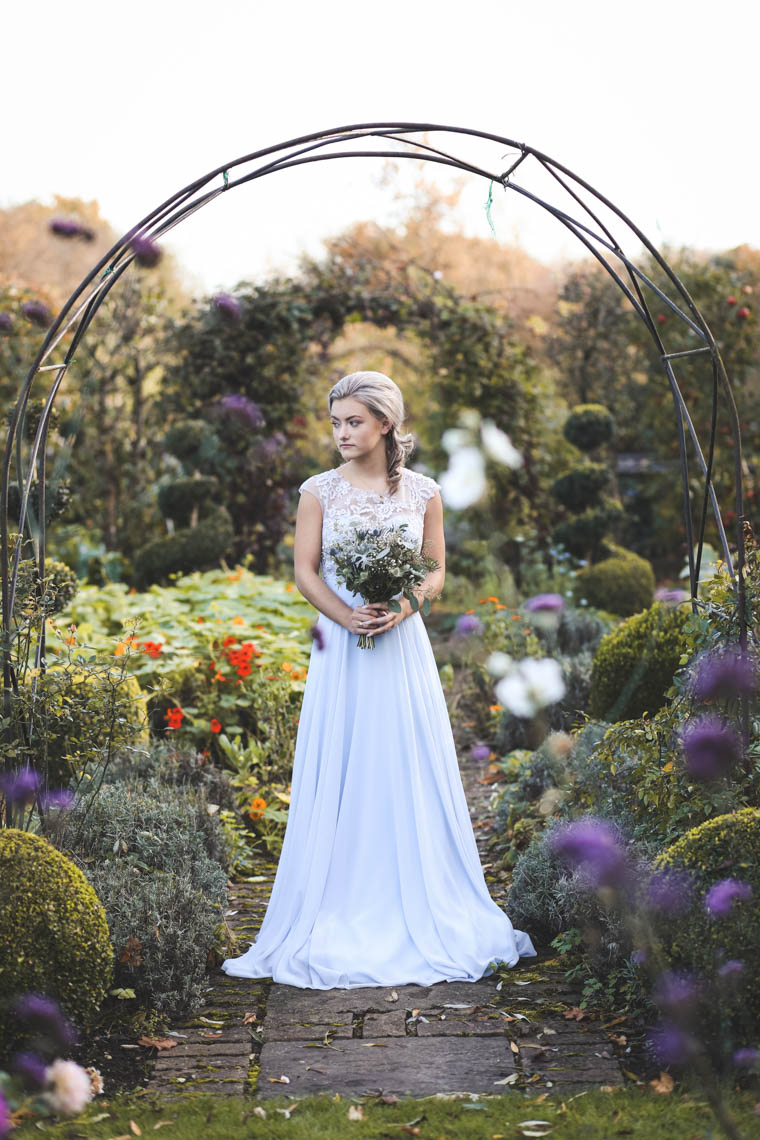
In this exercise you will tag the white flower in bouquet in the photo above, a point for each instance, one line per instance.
(463, 483)
(69, 1087)
(533, 684)
(499, 446)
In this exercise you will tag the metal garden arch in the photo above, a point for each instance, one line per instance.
(579, 208)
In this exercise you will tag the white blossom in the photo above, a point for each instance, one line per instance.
(499, 663)
(531, 685)
(499, 446)
(463, 483)
(455, 438)
(68, 1088)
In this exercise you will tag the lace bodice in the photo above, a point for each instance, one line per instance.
(345, 506)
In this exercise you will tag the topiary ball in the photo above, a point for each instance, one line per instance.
(579, 487)
(623, 584)
(589, 426)
(712, 933)
(635, 663)
(54, 935)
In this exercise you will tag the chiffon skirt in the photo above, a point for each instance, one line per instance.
(379, 881)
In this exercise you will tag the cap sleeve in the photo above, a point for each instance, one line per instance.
(428, 487)
(313, 484)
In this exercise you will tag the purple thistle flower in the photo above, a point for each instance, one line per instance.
(228, 306)
(237, 404)
(725, 674)
(38, 313)
(267, 449)
(5, 1116)
(592, 846)
(480, 752)
(731, 969)
(747, 1058)
(710, 748)
(671, 1044)
(670, 891)
(675, 990)
(20, 787)
(553, 603)
(60, 798)
(467, 624)
(147, 252)
(671, 597)
(6, 322)
(45, 1014)
(318, 635)
(720, 899)
(639, 957)
(30, 1069)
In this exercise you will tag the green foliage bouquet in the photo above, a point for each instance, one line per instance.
(379, 564)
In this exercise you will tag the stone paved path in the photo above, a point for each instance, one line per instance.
(268, 1039)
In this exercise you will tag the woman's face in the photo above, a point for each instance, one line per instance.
(355, 430)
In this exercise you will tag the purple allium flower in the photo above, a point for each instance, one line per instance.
(725, 674)
(710, 748)
(147, 252)
(38, 313)
(720, 899)
(480, 752)
(551, 602)
(6, 322)
(670, 891)
(676, 990)
(318, 635)
(228, 306)
(467, 624)
(60, 798)
(5, 1116)
(671, 1044)
(731, 969)
(30, 1069)
(592, 845)
(639, 957)
(20, 787)
(267, 449)
(671, 597)
(747, 1058)
(45, 1014)
(237, 404)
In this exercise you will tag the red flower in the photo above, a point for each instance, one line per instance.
(174, 717)
(215, 725)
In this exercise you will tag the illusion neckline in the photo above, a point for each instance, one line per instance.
(364, 490)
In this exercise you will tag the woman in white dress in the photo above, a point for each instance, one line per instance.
(379, 881)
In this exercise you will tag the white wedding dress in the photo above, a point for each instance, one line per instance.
(379, 881)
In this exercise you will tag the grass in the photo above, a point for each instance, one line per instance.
(596, 1115)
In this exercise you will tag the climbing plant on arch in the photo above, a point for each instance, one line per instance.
(600, 227)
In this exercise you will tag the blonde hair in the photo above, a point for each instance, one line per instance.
(382, 397)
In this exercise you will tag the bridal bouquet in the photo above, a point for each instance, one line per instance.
(378, 564)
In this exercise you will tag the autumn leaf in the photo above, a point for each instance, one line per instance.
(158, 1042)
(136, 1129)
(575, 1014)
(130, 954)
(664, 1085)
(248, 1018)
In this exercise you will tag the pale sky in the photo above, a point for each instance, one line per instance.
(654, 103)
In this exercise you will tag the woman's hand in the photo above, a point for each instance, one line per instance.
(366, 618)
(393, 618)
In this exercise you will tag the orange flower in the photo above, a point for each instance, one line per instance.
(200, 619)
(469, 611)
(495, 708)
(174, 717)
(229, 640)
(286, 666)
(120, 647)
(289, 588)
(244, 670)
(515, 617)
(271, 677)
(238, 621)
(256, 810)
(500, 606)
(215, 725)
(492, 599)
(219, 677)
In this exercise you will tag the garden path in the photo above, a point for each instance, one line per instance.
(268, 1039)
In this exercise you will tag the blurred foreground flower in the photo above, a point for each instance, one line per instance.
(720, 899)
(6, 322)
(533, 684)
(237, 404)
(724, 675)
(228, 306)
(68, 1087)
(30, 1070)
(480, 752)
(44, 1015)
(676, 990)
(147, 252)
(69, 228)
(592, 846)
(5, 1117)
(670, 892)
(468, 445)
(467, 624)
(498, 446)
(38, 313)
(464, 481)
(672, 597)
(672, 1045)
(710, 748)
(20, 787)
(318, 635)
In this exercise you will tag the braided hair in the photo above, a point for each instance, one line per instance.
(382, 397)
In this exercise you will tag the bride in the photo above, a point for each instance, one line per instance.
(379, 881)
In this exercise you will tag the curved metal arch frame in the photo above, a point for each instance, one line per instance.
(596, 237)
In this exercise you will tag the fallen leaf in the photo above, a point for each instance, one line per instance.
(137, 1130)
(510, 1080)
(609, 1024)
(208, 1021)
(575, 1014)
(162, 1124)
(355, 1112)
(618, 1038)
(393, 996)
(513, 1046)
(158, 1042)
(216, 1033)
(130, 954)
(609, 1088)
(664, 1085)
(260, 1112)
(248, 1018)
(376, 1044)
(279, 1080)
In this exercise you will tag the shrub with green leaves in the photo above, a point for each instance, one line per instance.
(622, 584)
(721, 922)
(635, 663)
(54, 937)
(589, 426)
